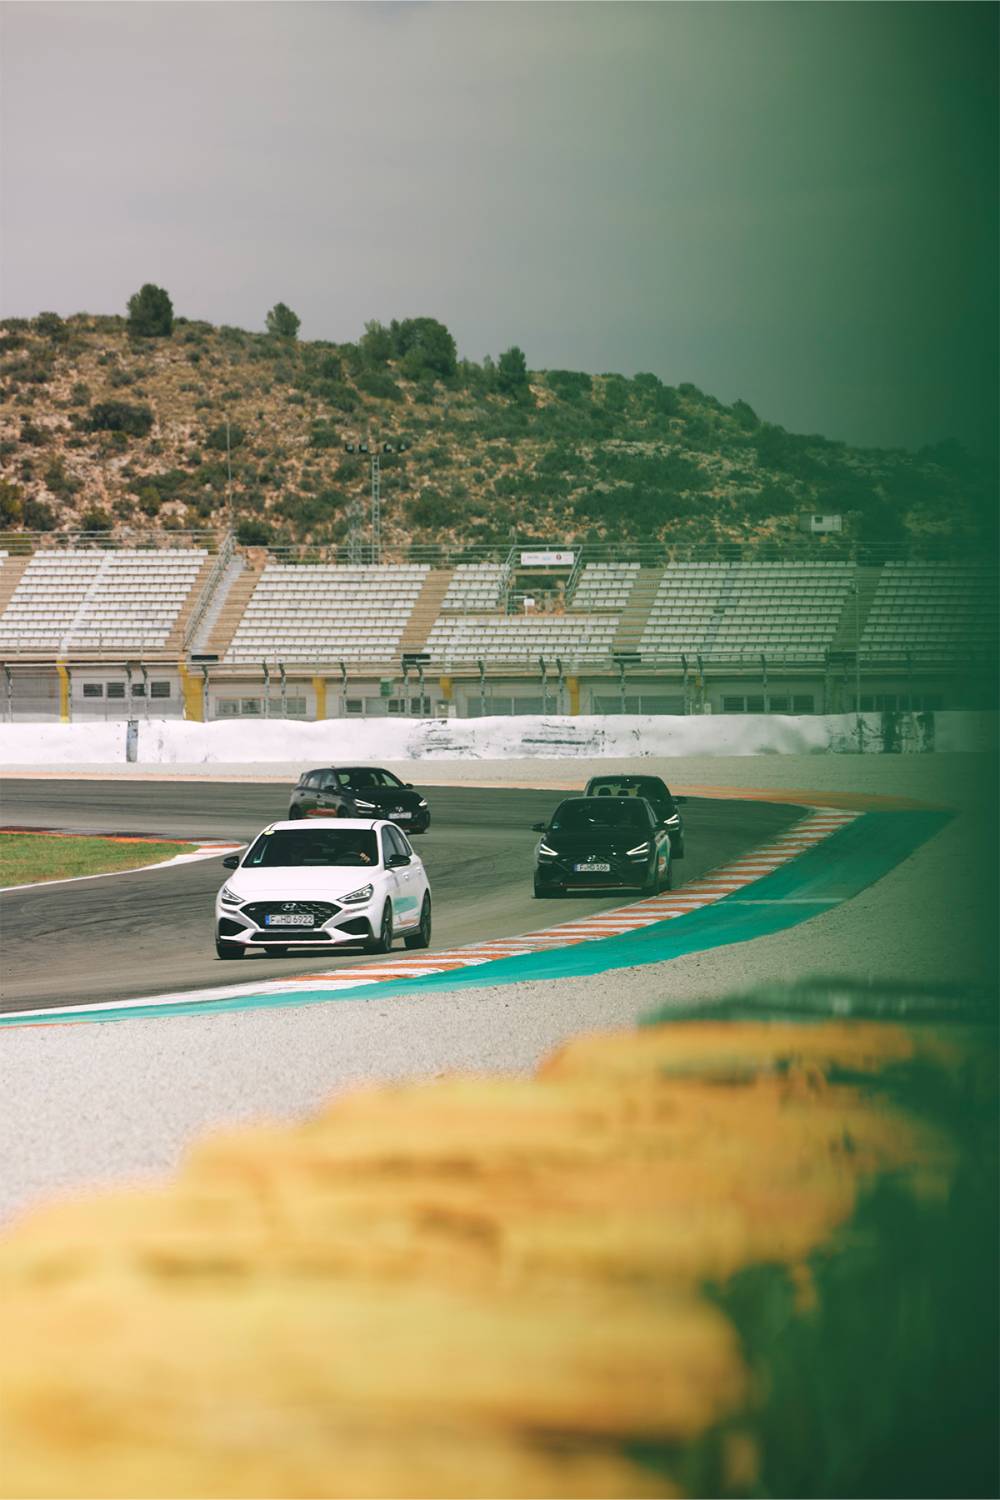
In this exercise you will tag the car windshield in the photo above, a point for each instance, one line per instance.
(595, 815)
(287, 847)
(611, 786)
(365, 778)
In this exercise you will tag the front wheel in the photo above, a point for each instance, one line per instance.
(422, 937)
(383, 942)
(228, 950)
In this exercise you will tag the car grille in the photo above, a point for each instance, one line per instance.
(294, 935)
(321, 910)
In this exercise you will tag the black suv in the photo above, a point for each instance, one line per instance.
(656, 793)
(359, 792)
(593, 844)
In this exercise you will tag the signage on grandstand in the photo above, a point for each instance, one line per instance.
(547, 559)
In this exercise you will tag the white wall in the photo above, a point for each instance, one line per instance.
(173, 742)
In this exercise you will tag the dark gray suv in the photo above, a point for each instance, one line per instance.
(359, 792)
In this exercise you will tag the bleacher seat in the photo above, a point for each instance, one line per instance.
(604, 585)
(522, 638)
(475, 586)
(729, 609)
(327, 613)
(88, 600)
(933, 611)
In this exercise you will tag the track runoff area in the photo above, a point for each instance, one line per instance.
(140, 943)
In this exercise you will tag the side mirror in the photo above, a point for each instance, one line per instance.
(231, 862)
(395, 860)
(539, 827)
(408, 785)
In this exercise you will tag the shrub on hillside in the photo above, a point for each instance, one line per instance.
(253, 533)
(569, 385)
(432, 511)
(374, 383)
(119, 416)
(38, 516)
(11, 505)
(58, 481)
(217, 437)
(96, 519)
(50, 325)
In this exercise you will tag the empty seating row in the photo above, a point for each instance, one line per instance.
(298, 612)
(604, 585)
(67, 599)
(475, 586)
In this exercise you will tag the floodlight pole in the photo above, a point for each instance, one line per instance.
(376, 505)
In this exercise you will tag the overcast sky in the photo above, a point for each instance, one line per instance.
(791, 203)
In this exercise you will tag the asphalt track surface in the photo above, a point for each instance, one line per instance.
(133, 935)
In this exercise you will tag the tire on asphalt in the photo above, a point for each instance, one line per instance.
(422, 937)
(381, 942)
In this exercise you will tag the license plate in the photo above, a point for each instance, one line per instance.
(289, 919)
(587, 869)
(399, 813)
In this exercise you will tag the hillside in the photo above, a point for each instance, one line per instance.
(102, 430)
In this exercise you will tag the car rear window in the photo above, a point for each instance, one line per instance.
(647, 787)
(288, 847)
(596, 813)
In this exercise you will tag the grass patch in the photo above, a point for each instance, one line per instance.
(26, 858)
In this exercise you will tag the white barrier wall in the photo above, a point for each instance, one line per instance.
(174, 742)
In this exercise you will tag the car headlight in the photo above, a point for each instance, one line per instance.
(422, 802)
(364, 806)
(363, 893)
(546, 852)
(229, 897)
(672, 821)
(640, 851)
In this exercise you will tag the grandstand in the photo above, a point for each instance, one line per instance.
(210, 630)
(85, 600)
(327, 614)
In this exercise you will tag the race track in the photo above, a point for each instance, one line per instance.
(132, 935)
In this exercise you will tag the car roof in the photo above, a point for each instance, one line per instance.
(301, 824)
(612, 802)
(625, 778)
(344, 765)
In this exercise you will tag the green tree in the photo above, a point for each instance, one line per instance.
(376, 343)
(425, 346)
(282, 323)
(150, 312)
(512, 372)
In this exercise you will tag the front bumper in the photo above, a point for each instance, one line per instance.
(556, 875)
(349, 924)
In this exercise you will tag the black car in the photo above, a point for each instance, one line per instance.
(597, 844)
(656, 793)
(359, 792)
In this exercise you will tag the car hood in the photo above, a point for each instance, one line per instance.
(326, 883)
(385, 796)
(595, 843)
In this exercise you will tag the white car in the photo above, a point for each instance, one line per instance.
(321, 884)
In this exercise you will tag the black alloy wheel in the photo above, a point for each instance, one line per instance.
(422, 937)
(383, 942)
(294, 812)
